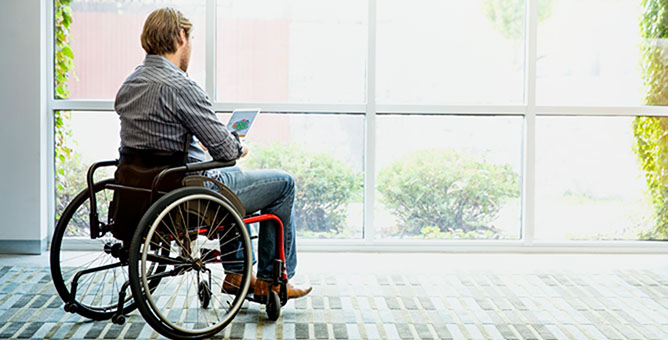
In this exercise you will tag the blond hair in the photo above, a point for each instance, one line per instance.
(162, 31)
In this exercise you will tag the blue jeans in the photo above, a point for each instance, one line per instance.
(269, 192)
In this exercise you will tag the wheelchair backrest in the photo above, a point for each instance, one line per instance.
(138, 169)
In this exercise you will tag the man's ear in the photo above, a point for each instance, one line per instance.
(183, 40)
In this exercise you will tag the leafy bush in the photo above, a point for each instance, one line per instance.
(71, 179)
(651, 133)
(324, 185)
(441, 191)
(436, 233)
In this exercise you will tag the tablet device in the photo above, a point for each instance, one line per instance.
(241, 121)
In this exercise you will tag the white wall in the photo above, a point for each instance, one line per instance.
(24, 128)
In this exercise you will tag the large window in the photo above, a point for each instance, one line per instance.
(589, 181)
(105, 40)
(588, 53)
(445, 177)
(291, 51)
(484, 123)
(323, 153)
(449, 52)
(94, 137)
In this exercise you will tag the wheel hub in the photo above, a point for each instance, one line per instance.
(198, 265)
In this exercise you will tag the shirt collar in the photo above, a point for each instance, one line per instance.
(153, 60)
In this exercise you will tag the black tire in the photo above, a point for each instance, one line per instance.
(118, 319)
(273, 306)
(97, 293)
(174, 223)
(204, 294)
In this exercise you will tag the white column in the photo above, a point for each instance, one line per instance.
(25, 133)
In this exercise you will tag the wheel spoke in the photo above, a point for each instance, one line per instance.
(97, 292)
(186, 231)
(172, 308)
(174, 233)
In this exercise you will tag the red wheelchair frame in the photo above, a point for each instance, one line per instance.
(280, 272)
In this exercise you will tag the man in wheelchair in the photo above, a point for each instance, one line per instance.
(165, 116)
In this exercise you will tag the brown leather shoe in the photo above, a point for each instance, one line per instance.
(262, 288)
(232, 283)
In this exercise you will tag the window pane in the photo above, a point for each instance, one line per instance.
(450, 52)
(291, 51)
(95, 137)
(588, 180)
(448, 177)
(107, 47)
(322, 152)
(324, 155)
(589, 52)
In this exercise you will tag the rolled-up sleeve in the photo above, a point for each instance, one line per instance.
(196, 113)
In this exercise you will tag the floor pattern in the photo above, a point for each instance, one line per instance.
(625, 304)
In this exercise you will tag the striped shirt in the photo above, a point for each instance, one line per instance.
(160, 107)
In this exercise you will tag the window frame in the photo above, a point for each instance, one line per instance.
(370, 243)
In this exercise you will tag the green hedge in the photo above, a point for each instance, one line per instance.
(325, 186)
(442, 193)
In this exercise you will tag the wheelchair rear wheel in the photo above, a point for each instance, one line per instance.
(200, 238)
(102, 268)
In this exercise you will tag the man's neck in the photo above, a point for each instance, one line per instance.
(174, 58)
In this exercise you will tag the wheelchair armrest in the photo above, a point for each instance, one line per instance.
(190, 167)
(207, 165)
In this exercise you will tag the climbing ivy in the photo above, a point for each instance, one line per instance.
(651, 133)
(63, 70)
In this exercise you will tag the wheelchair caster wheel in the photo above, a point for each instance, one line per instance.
(71, 307)
(204, 294)
(118, 319)
(273, 306)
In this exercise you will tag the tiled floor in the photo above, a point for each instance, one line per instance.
(402, 296)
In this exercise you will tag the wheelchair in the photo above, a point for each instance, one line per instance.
(175, 262)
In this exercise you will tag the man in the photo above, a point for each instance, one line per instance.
(161, 108)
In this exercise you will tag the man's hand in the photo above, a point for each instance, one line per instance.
(244, 150)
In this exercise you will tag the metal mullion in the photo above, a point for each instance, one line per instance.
(602, 110)
(529, 154)
(492, 110)
(82, 105)
(50, 128)
(451, 109)
(484, 246)
(292, 107)
(369, 229)
(210, 64)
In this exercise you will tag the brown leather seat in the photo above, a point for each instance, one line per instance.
(137, 169)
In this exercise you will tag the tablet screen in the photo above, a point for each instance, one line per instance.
(242, 120)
